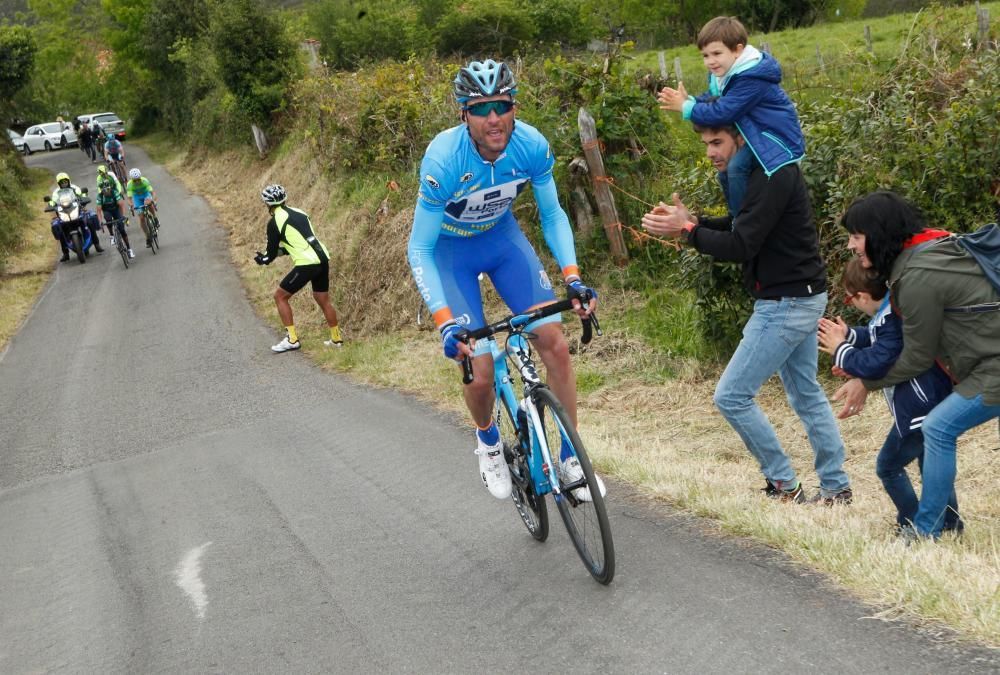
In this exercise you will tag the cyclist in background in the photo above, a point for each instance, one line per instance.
(114, 152)
(463, 226)
(141, 193)
(289, 231)
(111, 202)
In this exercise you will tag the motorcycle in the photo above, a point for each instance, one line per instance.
(71, 224)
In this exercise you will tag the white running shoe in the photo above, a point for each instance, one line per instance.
(131, 253)
(112, 241)
(493, 469)
(570, 471)
(331, 343)
(285, 346)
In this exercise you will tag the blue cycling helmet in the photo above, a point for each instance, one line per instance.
(484, 78)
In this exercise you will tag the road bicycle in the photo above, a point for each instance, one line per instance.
(116, 228)
(534, 425)
(118, 168)
(152, 225)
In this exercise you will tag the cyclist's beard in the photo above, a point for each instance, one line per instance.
(513, 123)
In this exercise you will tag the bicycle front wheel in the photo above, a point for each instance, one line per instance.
(584, 515)
(530, 506)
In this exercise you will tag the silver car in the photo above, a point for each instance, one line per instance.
(16, 139)
(109, 121)
(48, 137)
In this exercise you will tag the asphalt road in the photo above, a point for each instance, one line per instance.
(176, 498)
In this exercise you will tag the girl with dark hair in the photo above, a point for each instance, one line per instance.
(949, 312)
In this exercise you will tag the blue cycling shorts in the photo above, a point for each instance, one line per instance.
(507, 258)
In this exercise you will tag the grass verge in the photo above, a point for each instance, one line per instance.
(646, 415)
(29, 266)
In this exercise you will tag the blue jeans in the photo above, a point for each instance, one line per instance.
(950, 419)
(780, 337)
(890, 467)
(734, 179)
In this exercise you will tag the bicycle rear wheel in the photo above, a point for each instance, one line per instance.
(586, 521)
(153, 225)
(120, 244)
(530, 506)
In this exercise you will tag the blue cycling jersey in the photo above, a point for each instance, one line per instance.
(463, 195)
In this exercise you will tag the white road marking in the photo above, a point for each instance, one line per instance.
(188, 578)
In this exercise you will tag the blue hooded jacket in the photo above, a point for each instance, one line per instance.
(751, 97)
(869, 353)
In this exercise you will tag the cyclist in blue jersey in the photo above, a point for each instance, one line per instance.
(463, 227)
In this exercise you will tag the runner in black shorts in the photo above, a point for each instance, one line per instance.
(289, 232)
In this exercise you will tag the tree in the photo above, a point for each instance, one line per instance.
(17, 61)
(256, 57)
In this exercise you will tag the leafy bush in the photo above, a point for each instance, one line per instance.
(384, 30)
(13, 209)
(491, 27)
(257, 59)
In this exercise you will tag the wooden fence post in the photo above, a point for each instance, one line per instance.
(868, 39)
(677, 70)
(983, 25)
(819, 59)
(663, 66)
(602, 191)
(765, 47)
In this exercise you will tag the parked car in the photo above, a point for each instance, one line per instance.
(110, 122)
(49, 136)
(16, 139)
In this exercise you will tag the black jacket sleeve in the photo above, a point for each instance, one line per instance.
(762, 209)
(273, 239)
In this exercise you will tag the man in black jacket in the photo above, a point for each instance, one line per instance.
(774, 236)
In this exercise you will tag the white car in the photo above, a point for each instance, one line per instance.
(48, 137)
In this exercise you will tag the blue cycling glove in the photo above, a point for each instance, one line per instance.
(576, 289)
(451, 335)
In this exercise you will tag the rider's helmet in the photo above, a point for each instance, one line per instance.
(273, 195)
(63, 176)
(134, 174)
(101, 168)
(483, 78)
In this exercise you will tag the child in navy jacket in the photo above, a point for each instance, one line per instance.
(869, 352)
(744, 90)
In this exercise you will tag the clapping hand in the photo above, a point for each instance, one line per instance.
(672, 99)
(832, 334)
(667, 220)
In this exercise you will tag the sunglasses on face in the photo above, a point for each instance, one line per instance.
(849, 298)
(486, 107)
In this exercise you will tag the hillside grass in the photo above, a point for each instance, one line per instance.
(30, 263)
(821, 61)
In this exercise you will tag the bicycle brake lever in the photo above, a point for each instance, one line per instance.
(466, 370)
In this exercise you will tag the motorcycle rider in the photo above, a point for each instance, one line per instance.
(91, 221)
(111, 200)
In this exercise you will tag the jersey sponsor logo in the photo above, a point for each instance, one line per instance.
(543, 280)
(465, 178)
(418, 277)
(463, 320)
(485, 204)
(432, 181)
